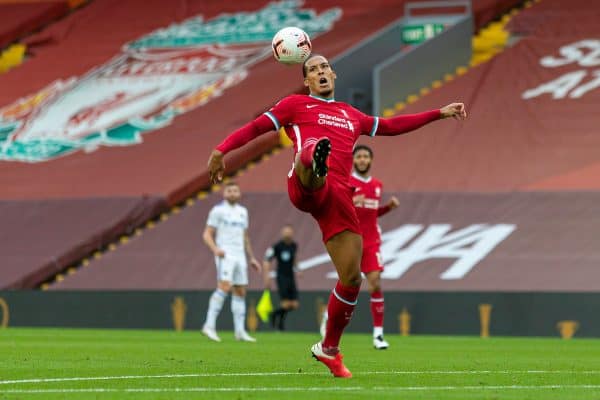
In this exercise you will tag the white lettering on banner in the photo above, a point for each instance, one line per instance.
(583, 89)
(468, 246)
(585, 53)
(559, 87)
(575, 53)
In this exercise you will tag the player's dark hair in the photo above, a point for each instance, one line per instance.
(313, 55)
(363, 147)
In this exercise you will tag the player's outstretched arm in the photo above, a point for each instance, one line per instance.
(216, 164)
(409, 122)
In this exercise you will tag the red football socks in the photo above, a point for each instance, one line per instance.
(377, 307)
(340, 307)
(306, 155)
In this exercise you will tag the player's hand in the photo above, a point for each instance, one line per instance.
(255, 264)
(219, 253)
(216, 167)
(454, 110)
(393, 203)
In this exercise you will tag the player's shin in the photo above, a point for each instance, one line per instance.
(377, 309)
(238, 309)
(339, 309)
(215, 304)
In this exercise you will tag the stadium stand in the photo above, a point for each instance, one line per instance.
(530, 141)
(45, 235)
(168, 167)
(170, 163)
(22, 18)
(171, 255)
(64, 40)
(486, 180)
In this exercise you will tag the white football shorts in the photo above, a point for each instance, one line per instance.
(232, 269)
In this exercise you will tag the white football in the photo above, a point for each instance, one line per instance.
(291, 45)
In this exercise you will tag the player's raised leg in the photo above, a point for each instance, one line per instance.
(345, 250)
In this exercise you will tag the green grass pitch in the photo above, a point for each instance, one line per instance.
(114, 364)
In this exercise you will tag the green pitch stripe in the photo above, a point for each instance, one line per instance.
(301, 389)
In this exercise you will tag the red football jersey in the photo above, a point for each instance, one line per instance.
(307, 116)
(367, 197)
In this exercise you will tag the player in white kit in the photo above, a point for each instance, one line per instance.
(226, 235)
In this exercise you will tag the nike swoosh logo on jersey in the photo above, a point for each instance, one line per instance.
(311, 105)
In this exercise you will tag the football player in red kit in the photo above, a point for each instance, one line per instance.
(324, 133)
(367, 199)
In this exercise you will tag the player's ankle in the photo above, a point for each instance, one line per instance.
(331, 350)
(377, 331)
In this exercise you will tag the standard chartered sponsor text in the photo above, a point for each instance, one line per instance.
(332, 120)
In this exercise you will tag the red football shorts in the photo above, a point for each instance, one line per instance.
(330, 205)
(371, 260)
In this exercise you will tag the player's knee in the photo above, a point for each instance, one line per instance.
(356, 280)
(351, 278)
(224, 286)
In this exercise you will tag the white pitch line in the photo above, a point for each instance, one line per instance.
(95, 378)
(476, 372)
(190, 389)
(233, 374)
(299, 389)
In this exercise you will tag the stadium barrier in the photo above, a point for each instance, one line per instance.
(445, 313)
(432, 59)
(372, 75)
(353, 67)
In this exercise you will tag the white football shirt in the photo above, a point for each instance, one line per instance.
(230, 223)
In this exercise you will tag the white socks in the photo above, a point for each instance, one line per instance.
(238, 309)
(215, 305)
(377, 331)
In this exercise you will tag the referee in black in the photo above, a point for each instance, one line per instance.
(284, 252)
